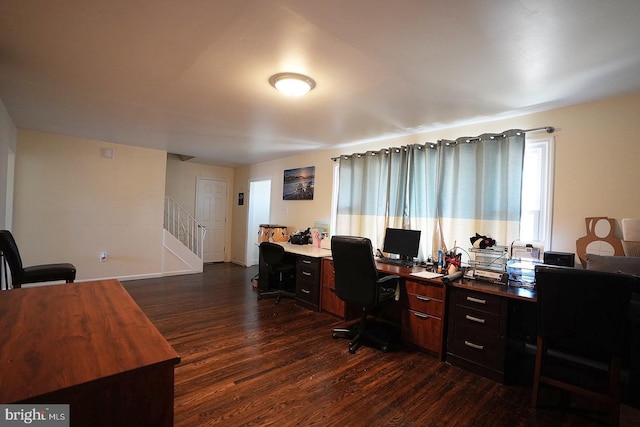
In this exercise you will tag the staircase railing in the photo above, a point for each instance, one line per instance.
(184, 227)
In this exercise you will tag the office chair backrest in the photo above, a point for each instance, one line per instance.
(355, 270)
(583, 312)
(9, 248)
(272, 253)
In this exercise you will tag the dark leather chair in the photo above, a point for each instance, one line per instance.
(279, 274)
(357, 283)
(581, 333)
(33, 274)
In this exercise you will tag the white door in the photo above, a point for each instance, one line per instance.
(211, 208)
(259, 208)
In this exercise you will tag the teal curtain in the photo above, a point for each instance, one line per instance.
(449, 190)
(479, 188)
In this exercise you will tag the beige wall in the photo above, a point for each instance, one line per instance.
(596, 169)
(71, 204)
(181, 186)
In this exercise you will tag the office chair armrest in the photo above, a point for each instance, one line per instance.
(384, 279)
(388, 284)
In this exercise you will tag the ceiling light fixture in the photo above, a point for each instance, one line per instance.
(292, 84)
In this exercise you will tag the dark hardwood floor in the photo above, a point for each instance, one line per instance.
(250, 362)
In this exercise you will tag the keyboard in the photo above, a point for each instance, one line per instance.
(394, 261)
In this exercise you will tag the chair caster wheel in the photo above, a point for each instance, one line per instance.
(385, 348)
(352, 350)
(335, 335)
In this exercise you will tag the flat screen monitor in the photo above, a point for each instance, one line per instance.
(405, 243)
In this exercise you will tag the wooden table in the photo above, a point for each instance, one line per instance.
(88, 345)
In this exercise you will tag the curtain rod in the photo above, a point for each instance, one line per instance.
(548, 129)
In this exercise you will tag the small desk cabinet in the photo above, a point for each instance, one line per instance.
(308, 270)
(477, 332)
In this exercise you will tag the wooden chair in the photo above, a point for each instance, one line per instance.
(35, 273)
(581, 329)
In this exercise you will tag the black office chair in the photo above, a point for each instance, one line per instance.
(33, 274)
(357, 283)
(278, 272)
(581, 332)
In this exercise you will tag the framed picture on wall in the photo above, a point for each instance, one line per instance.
(299, 183)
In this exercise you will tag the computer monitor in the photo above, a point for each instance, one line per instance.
(405, 243)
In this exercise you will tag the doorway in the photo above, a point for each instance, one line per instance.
(259, 213)
(211, 211)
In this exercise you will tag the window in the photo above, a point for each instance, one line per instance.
(334, 198)
(537, 191)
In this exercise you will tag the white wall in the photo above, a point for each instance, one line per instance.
(596, 168)
(71, 204)
(8, 134)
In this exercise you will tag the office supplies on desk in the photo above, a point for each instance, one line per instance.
(427, 274)
(498, 277)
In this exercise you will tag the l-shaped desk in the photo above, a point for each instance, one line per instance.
(483, 327)
(422, 306)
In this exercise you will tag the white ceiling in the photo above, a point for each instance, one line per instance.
(191, 76)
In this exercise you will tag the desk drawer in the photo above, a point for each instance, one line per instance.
(308, 266)
(424, 297)
(478, 300)
(435, 291)
(307, 291)
(480, 322)
(425, 304)
(483, 349)
(422, 330)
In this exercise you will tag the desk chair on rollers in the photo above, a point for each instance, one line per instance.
(357, 283)
(35, 273)
(280, 274)
(581, 333)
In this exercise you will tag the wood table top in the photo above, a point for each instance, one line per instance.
(58, 336)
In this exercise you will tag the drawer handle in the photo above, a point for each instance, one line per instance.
(305, 261)
(305, 291)
(306, 273)
(333, 290)
(420, 315)
(474, 319)
(479, 301)
(421, 298)
(472, 345)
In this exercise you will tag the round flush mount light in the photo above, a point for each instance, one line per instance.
(292, 84)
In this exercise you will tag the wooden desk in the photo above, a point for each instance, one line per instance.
(88, 345)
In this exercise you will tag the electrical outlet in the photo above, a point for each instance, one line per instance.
(103, 256)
